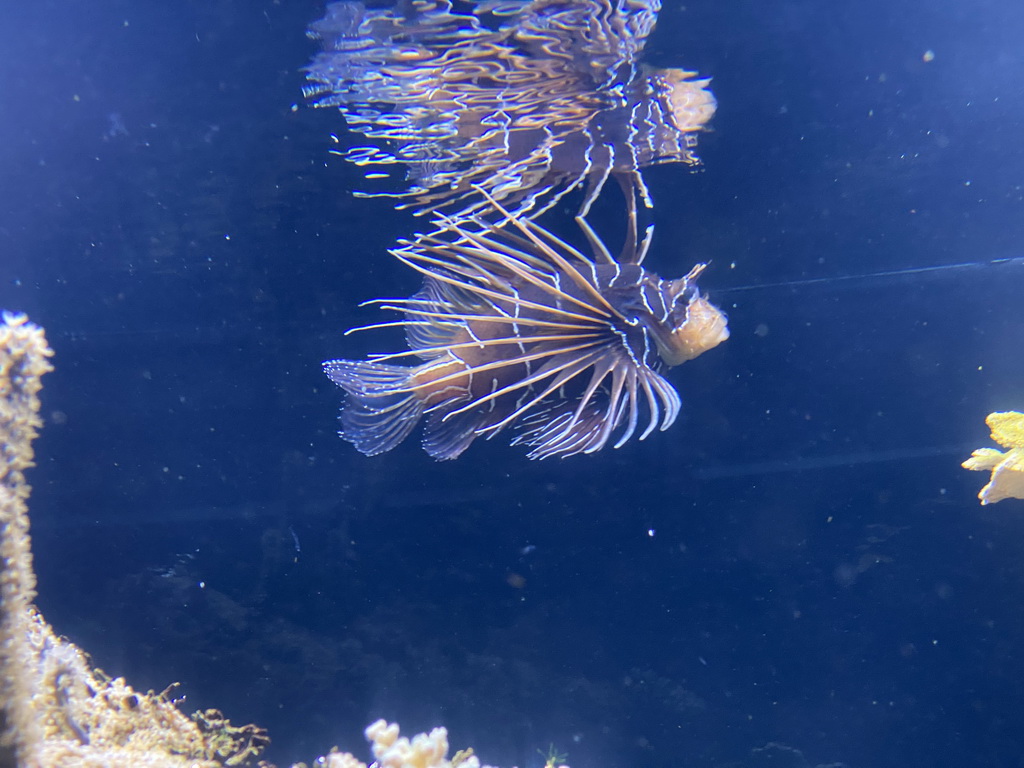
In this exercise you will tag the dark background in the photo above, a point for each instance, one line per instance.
(799, 562)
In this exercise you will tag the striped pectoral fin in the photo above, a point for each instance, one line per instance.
(561, 431)
(607, 410)
(446, 439)
(453, 423)
(380, 410)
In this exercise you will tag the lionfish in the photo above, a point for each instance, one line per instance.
(515, 328)
(526, 100)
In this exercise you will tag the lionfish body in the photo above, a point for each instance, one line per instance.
(515, 329)
(526, 100)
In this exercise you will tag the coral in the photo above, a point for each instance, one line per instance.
(232, 744)
(57, 710)
(86, 718)
(1007, 468)
(23, 361)
(425, 750)
(394, 751)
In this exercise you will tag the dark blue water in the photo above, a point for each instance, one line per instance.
(799, 561)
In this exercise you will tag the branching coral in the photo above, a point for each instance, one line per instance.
(1007, 468)
(425, 750)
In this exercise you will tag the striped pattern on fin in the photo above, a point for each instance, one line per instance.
(446, 439)
(430, 339)
(379, 412)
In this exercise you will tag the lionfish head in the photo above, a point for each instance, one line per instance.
(692, 326)
(689, 102)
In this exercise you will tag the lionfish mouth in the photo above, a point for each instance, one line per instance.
(515, 328)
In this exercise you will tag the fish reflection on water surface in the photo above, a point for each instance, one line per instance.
(526, 99)
(517, 329)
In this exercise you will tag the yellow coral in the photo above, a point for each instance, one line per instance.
(55, 709)
(23, 361)
(1007, 468)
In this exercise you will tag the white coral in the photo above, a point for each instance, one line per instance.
(394, 751)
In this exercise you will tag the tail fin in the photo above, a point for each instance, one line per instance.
(379, 412)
